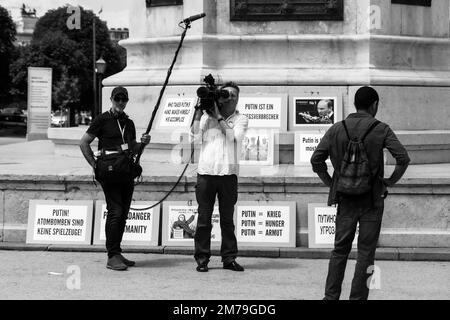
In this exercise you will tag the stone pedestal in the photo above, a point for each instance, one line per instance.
(401, 50)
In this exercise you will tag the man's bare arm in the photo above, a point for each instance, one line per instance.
(85, 146)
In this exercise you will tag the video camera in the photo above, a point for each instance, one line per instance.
(210, 94)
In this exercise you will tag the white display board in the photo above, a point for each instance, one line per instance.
(305, 144)
(266, 224)
(39, 102)
(179, 223)
(322, 226)
(176, 113)
(258, 148)
(60, 222)
(266, 111)
(142, 227)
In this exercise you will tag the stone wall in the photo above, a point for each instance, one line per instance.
(417, 213)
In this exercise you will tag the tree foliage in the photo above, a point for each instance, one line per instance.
(70, 54)
(7, 38)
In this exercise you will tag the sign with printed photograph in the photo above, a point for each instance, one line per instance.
(322, 226)
(180, 222)
(257, 148)
(266, 224)
(314, 111)
(264, 111)
(60, 222)
(142, 227)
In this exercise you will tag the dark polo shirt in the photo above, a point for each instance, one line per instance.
(106, 129)
(334, 145)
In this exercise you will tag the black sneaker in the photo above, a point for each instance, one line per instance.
(234, 266)
(116, 263)
(127, 262)
(202, 267)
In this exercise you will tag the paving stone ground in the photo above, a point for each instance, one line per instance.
(45, 275)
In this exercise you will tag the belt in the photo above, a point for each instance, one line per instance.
(103, 152)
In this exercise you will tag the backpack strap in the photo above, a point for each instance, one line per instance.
(346, 130)
(370, 130)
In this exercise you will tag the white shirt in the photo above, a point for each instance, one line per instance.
(220, 153)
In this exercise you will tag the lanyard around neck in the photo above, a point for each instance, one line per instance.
(122, 131)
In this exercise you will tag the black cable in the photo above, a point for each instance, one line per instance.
(170, 192)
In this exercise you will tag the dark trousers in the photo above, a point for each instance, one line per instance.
(118, 200)
(349, 213)
(225, 187)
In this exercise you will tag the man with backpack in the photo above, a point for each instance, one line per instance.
(355, 147)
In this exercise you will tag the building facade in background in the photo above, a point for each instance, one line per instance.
(117, 34)
(25, 24)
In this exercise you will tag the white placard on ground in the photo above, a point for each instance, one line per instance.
(322, 226)
(180, 222)
(266, 224)
(142, 227)
(60, 222)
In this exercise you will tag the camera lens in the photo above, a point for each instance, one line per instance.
(224, 94)
(203, 92)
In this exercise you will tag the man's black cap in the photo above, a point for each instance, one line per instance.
(119, 90)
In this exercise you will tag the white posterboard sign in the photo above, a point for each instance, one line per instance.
(180, 222)
(258, 148)
(304, 146)
(266, 224)
(176, 113)
(60, 222)
(264, 111)
(322, 226)
(39, 102)
(142, 226)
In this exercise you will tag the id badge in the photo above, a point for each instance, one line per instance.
(124, 147)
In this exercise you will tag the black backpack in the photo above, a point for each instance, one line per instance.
(355, 177)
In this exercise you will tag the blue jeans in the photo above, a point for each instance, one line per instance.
(349, 213)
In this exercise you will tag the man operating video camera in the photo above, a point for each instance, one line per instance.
(220, 129)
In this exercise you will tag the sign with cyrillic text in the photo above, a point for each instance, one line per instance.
(60, 222)
(266, 224)
(142, 226)
(322, 226)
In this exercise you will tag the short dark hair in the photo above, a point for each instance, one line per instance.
(365, 97)
(231, 84)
